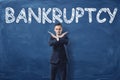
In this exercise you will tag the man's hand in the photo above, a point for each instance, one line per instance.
(57, 37)
(52, 34)
(63, 34)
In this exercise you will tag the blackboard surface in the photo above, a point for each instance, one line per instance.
(93, 49)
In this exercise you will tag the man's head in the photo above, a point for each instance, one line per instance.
(58, 28)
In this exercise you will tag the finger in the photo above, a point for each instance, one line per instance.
(52, 35)
(49, 32)
(66, 32)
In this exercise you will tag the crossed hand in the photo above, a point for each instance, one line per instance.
(57, 37)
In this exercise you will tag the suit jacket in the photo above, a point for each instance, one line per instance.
(59, 51)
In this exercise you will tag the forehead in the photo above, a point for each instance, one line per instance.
(58, 27)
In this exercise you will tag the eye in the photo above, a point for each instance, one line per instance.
(58, 28)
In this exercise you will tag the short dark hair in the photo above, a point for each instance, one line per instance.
(58, 24)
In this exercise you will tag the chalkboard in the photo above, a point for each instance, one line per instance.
(93, 48)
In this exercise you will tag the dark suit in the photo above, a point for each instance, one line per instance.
(58, 59)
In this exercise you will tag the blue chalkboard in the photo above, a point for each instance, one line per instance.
(93, 49)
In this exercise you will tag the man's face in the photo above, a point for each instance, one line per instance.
(58, 29)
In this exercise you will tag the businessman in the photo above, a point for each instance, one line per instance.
(59, 58)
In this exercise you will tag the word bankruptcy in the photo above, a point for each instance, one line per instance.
(51, 15)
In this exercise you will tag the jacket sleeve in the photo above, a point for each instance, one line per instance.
(54, 42)
(64, 40)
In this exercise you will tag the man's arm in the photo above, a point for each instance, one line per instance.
(64, 40)
(53, 41)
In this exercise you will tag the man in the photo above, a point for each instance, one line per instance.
(58, 59)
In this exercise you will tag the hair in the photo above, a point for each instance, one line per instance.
(58, 24)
